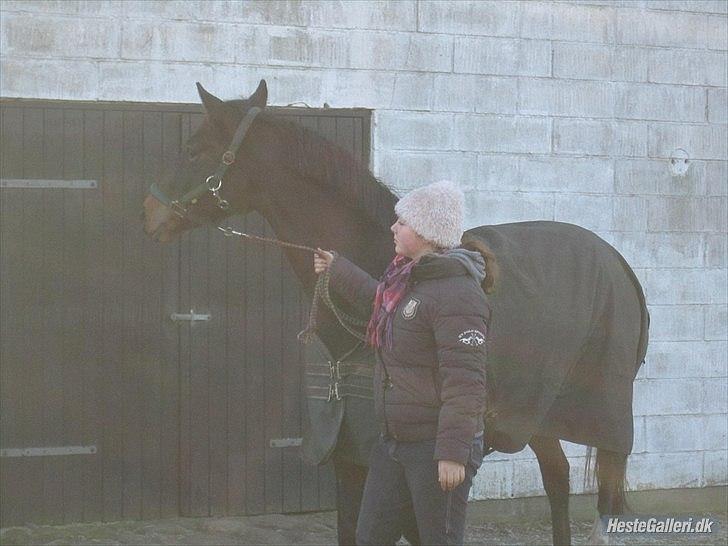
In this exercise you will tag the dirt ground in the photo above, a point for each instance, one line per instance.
(317, 528)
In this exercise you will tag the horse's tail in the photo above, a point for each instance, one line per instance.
(590, 470)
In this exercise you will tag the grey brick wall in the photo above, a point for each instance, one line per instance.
(541, 109)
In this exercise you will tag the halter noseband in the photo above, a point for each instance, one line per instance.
(212, 183)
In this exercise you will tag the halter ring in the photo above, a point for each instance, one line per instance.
(228, 157)
(209, 183)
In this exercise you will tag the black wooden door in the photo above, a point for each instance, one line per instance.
(89, 420)
(108, 408)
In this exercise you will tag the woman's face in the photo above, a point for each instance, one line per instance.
(407, 242)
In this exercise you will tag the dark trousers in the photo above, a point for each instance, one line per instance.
(402, 479)
(350, 479)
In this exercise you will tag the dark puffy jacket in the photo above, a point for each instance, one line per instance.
(431, 384)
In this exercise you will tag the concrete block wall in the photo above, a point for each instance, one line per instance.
(556, 110)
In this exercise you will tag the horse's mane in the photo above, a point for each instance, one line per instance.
(334, 169)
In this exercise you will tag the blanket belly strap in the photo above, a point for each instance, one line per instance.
(337, 380)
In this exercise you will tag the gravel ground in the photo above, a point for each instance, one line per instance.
(318, 528)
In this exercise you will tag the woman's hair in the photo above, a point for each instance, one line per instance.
(491, 264)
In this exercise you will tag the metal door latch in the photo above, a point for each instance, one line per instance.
(190, 317)
(286, 442)
(48, 451)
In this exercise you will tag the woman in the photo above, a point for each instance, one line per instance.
(428, 327)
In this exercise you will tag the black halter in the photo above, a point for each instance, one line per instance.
(212, 183)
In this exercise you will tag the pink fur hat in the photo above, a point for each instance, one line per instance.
(435, 212)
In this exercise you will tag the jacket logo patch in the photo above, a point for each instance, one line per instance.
(474, 338)
(409, 310)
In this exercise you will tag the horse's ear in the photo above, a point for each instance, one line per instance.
(209, 101)
(260, 97)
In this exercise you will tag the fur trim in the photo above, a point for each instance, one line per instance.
(435, 212)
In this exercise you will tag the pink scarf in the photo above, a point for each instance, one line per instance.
(390, 292)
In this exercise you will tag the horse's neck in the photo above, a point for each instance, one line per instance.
(308, 212)
(315, 219)
(304, 220)
(303, 212)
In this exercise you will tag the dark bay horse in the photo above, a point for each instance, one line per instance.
(570, 324)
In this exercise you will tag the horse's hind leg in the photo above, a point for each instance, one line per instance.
(611, 469)
(555, 475)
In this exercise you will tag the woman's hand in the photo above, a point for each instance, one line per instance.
(322, 260)
(450, 474)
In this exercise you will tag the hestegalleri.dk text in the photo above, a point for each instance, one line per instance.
(659, 524)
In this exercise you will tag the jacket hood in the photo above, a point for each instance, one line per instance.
(451, 263)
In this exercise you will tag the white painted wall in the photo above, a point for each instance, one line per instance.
(550, 110)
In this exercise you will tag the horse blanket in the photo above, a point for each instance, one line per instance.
(568, 333)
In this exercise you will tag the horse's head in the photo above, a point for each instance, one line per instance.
(185, 199)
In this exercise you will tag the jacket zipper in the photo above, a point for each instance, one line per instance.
(387, 380)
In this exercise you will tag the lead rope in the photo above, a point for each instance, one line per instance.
(230, 232)
(321, 292)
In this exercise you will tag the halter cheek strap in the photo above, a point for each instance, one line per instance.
(228, 158)
(212, 183)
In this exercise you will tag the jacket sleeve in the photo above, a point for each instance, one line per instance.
(461, 352)
(354, 284)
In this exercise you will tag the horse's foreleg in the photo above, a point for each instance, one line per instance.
(350, 480)
(611, 469)
(555, 475)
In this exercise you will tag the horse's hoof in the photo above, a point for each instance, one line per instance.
(599, 536)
